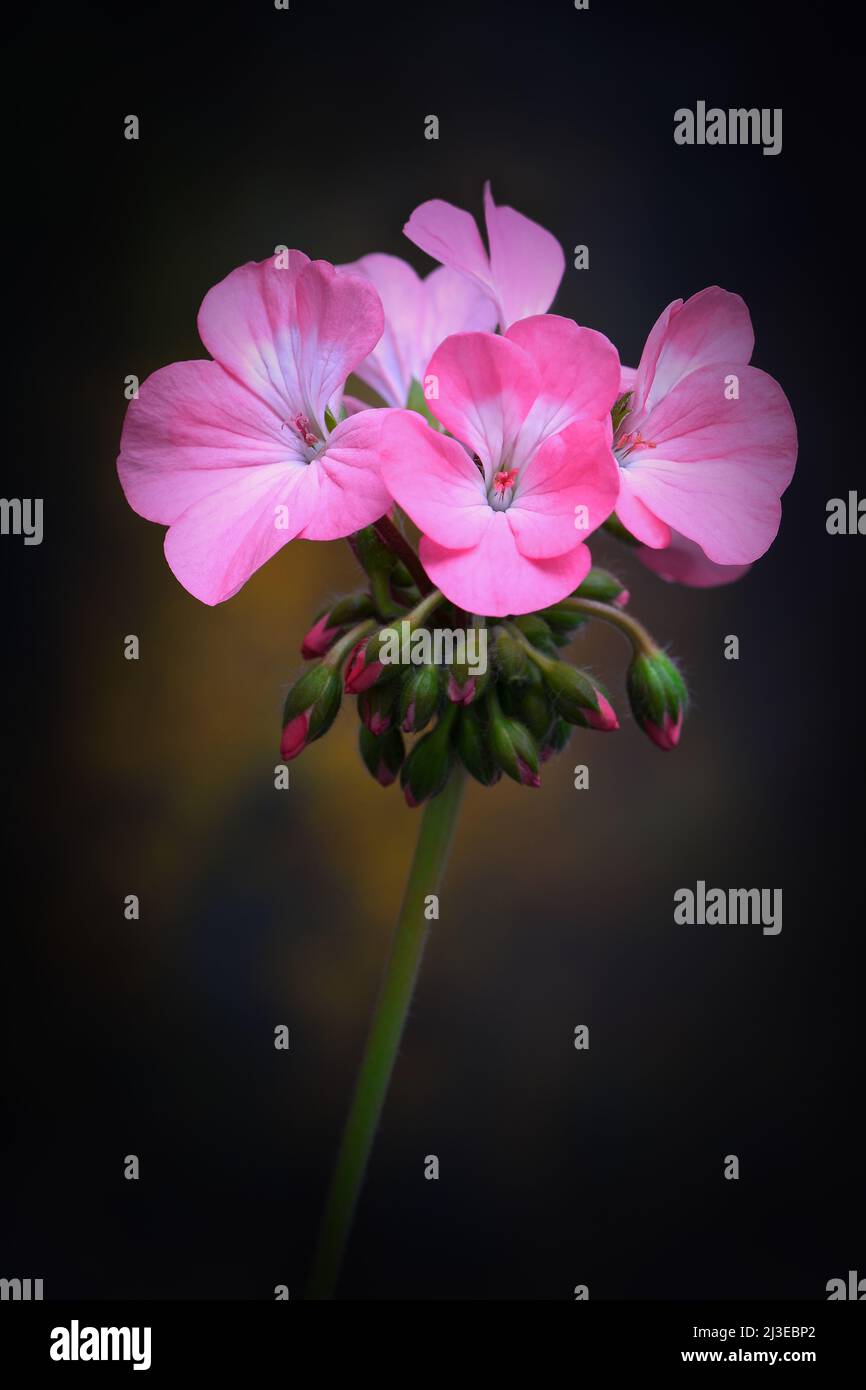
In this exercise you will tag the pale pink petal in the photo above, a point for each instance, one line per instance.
(419, 315)
(683, 562)
(452, 304)
(433, 479)
(637, 518)
(713, 326)
(719, 466)
(224, 537)
(494, 578)
(244, 319)
(451, 235)
(340, 320)
(390, 367)
(526, 262)
(578, 371)
(193, 430)
(626, 379)
(345, 482)
(572, 470)
(292, 334)
(486, 386)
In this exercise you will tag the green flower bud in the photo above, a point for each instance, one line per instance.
(382, 756)
(419, 696)
(377, 706)
(604, 587)
(310, 709)
(513, 747)
(579, 698)
(427, 767)
(510, 655)
(658, 697)
(473, 746)
(537, 631)
(532, 708)
(557, 739)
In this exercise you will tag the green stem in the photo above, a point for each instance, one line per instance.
(383, 1041)
(633, 630)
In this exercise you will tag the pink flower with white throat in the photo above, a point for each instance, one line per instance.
(505, 506)
(241, 454)
(419, 315)
(524, 266)
(708, 445)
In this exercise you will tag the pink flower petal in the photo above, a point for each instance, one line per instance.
(451, 235)
(571, 470)
(578, 370)
(683, 562)
(525, 265)
(433, 479)
(526, 262)
(636, 517)
(345, 480)
(419, 315)
(224, 537)
(193, 430)
(713, 326)
(719, 466)
(291, 334)
(494, 578)
(486, 385)
(626, 379)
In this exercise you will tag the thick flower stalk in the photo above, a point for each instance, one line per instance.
(501, 439)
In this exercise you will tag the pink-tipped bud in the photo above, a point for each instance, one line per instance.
(666, 736)
(604, 718)
(294, 737)
(622, 599)
(461, 694)
(527, 776)
(360, 674)
(319, 639)
(658, 697)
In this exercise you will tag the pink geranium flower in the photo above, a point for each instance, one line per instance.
(419, 315)
(709, 443)
(238, 456)
(522, 271)
(683, 562)
(505, 511)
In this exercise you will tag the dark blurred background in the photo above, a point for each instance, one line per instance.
(155, 1037)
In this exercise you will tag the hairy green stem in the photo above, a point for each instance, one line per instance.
(633, 630)
(407, 948)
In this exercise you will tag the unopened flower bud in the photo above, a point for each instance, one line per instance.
(578, 698)
(362, 670)
(536, 630)
(426, 769)
(320, 638)
(658, 697)
(419, 696)
(376, 707)
(511, 659)
(604, 587)
(310, 709)
(532, 708)
(557, 739)
(383, 756)
(513, 748)
(473, 746)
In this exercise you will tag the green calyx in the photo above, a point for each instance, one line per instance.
(319, 690)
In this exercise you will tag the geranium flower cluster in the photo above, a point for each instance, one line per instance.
(505, 436)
